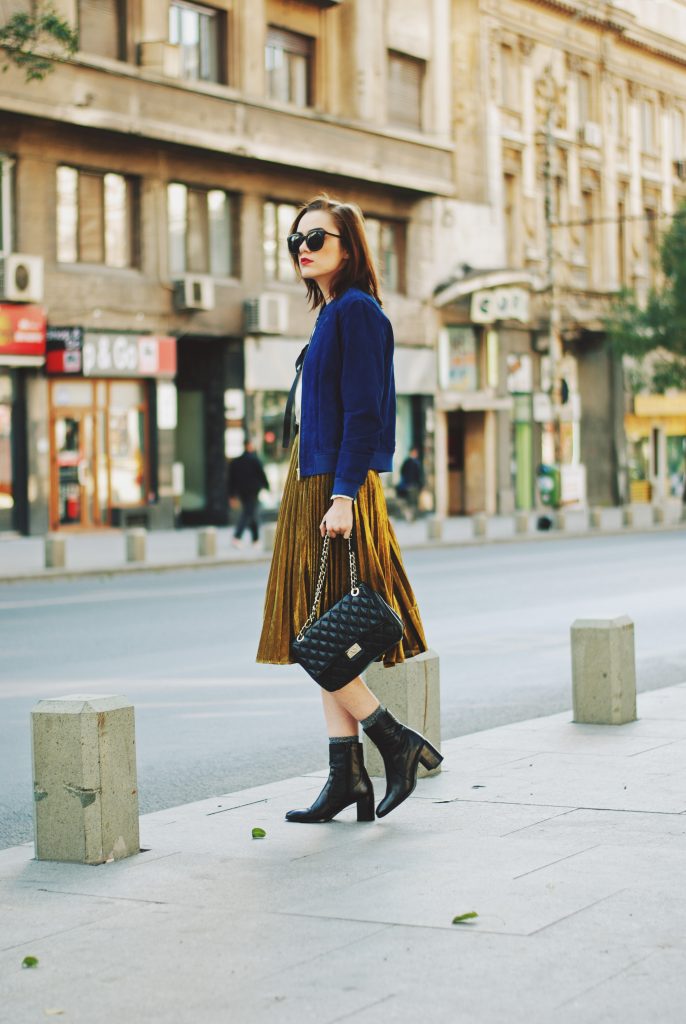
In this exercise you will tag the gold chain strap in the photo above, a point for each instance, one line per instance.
(354, 589)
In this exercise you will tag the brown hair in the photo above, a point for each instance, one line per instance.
(358, 271)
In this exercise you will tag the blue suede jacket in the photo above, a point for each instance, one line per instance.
(347, 413)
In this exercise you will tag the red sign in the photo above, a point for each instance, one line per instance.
(22, 331)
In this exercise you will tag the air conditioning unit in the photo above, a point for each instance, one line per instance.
(21, 278)
(680, 169)
(591, 134)
(193, 292)
(266, 314)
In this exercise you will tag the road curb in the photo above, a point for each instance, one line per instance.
(220, 562)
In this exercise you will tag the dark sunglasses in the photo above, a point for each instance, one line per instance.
(315, 240)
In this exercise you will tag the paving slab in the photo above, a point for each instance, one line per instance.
(568, 841)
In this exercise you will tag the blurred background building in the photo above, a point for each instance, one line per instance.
(149, 313)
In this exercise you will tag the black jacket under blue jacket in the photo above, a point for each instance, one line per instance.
(347, 414)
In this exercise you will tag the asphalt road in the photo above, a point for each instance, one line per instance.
(209, 720)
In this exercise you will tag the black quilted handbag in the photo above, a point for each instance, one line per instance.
(357, 630)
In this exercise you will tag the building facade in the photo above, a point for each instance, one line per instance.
(148, 185)
(570, 137)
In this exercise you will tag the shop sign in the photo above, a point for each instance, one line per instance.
(22, 330)
(519, 373)
(64, 349)
(457, 359)
(491, 304)
(73, 350)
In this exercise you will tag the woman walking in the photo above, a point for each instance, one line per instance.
(344, 404)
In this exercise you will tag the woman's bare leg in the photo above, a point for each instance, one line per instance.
(356, 699)
(339, 722)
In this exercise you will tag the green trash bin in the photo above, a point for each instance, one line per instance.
(548, 484)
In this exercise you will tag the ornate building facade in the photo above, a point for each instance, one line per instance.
(570, 141)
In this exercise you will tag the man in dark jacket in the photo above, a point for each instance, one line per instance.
(411, 483)
(246, 479)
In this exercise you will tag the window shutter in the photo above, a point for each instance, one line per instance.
(100, 25)
(405, 77)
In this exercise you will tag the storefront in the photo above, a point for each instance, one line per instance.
(110, 403)
(22, 355)
(656, 447)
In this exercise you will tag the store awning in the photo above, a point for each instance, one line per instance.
(472, 401)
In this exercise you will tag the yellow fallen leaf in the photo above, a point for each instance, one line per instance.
(52, 1011)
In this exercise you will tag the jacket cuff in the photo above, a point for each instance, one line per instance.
(344, 488)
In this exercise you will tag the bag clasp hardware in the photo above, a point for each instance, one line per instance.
(353, 651)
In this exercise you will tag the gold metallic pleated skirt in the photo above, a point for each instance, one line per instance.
(295, 564)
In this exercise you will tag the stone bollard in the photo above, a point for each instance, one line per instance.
(84, 779)
(561, 520)
(521, 522)
(135, 544)
(412, 692)
(596, 518)
(479, 524)
(628, 515)
(604, 671)
(434, 528)
(207, 542)
(268, 533)
(55, 551)
(658, 514)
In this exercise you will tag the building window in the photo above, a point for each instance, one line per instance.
(6, 165)
(95, 217)
(289, 60)
(678, 135)
(101, 27)
(405, 89)
(276, 220)
(650, 242)
(621, 242)
(587, 235)
(509, 78)
(584, 87)
(648, 126)
(511, 211)
(387, 242)
(202, 231)
(196, 31)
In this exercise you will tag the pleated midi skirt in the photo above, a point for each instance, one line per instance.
(297, 553)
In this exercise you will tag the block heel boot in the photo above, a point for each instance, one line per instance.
(402, 750)
(348, 783)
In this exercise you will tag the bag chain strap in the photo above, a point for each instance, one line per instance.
(354, 589)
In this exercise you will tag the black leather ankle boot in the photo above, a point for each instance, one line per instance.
(348, 783)
(402, 750)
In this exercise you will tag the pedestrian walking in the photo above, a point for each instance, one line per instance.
(344, 410)
(246, 479)
(410, 483)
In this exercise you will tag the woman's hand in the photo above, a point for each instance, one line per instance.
(339, 519)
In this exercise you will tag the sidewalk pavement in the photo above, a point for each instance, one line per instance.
(104, 551)
(568, 841)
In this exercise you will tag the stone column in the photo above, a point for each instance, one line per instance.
(412, 692)
(604, 671)
(84, 779)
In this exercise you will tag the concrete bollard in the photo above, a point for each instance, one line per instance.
(628, 515)
(84, 779)
(604, 671)
(412, 692)
(434, 528)
(268, 534)
(479, 524)
(207, 542)
(658, 514)
(596, 518)
(561, 521)
(521, 522)
(55, 551)
(136, 544)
